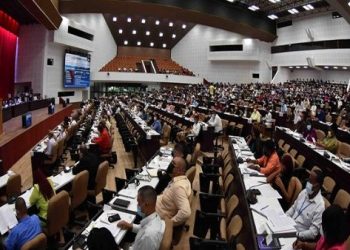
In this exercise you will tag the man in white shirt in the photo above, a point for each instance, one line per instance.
(50, 144)
(196, 128)
(215, 121)
(308, 208)
(149, 233)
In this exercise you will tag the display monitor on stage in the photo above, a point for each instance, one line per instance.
(76, 70)
(26, 120)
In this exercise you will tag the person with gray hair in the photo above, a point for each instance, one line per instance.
(149, 233)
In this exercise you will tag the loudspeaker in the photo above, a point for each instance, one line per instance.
(50, 61)
(310, 62)
(309, 34)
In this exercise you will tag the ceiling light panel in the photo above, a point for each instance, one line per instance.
(253, 8)
(272, 17)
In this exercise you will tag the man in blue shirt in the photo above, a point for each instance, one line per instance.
(156, 125)
(27, 228)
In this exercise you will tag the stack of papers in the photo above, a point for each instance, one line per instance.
(7, 219)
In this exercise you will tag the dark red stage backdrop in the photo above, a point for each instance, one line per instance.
(8, 43)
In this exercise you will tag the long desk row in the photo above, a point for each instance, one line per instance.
(148, 176)
(331, 166)
(341, 134)
(266, 217)
(20, 109)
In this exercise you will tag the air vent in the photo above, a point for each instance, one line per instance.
(80, 33)
(236, 47)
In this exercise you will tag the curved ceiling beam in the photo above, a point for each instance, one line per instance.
(206, 12)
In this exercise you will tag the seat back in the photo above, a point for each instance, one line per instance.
(165, 244)
(39, 242)
(57, 213)
(280, 143)
(328, 184)
(343, 149)
(326, 202)
(79, 189)
(191, 173)
(297, 190)
(231, 205)
(286, 147)
(234, 227)
(227, 182)
(300, 160)
(342, 199)
(54, 154)
(320, 135)
(60, 147)
(293, 152)
(101, 177)
(13, 187)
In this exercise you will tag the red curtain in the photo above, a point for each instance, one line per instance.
(8, 44)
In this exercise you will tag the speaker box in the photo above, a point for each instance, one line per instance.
(50, 61)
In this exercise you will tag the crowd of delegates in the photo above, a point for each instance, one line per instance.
(21, 97)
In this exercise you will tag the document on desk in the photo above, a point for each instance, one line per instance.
(7, 219)
(27, 195)
(279, 222)
(267, 191)
(128, 192)
(103, 222)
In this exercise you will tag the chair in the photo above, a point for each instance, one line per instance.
(280, 143)
(342, 199)
(39, 242)
(53, 158)
(343, 150)
(231, 205)
(166, 135)
(328, 185)
(227, 183)
(79, 190)
(320, 135)
(165, 244)
(293, 152)
(239, 129)
(13, 187)
(286, 147)
(300, 160)
(234, 227)
(297, 190)
(326, 202)
(57, 213)
(108, 155)
(100, 180)
(191, 173)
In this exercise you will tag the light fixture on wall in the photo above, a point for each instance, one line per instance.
(114, 19)
(171, 24)
(138, 43)
(293, 11)
(157, 22)
(272, 16)
(120, 31)
(326, 67)
(164, 45)
(129, 19)
(345, 67)
(184, 26)
(151, 44)
(253, 8)
(274, 1)
(148, 33)
(173, 36)
(143, 21)
(160, 34)
(308, 7)
(335, 67)
(134, 32)
(126, 42)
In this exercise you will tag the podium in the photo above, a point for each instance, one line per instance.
(1, 129)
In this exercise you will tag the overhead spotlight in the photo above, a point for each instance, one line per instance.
(151, 44)
(148, 33)
(326, 67)
(184, 26)
(126, 42)
(114, 19)
(129, 19)
(120, 31)
(345, 67)
(293, 11)
(349, 3)
(231, 1)
(335, 67)
(134, 32)
(173, 36)
(253, 8)
(274, 1)
(157, 22)
(298, 67)
(308, 7)
(143, 20)
(138, 43)
(160, 34)
(171, 24)
(305, 67)
(272, 17)
(290, 67)
(164, 45)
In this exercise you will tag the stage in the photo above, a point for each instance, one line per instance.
(16, 141)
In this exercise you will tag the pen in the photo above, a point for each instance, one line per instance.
(265, 207)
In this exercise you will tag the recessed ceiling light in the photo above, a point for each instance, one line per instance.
(290, 67)
(253, 8)
(171, 24)
(349, 3)
(160, 34)
(293, 11)
(274, 1)
(134, 32)
(157, 22)
(335, 67)
(148, 33)
(138, 43)
(184, 26)
(305, 67)
(151, 44)
(164, 45)
(298, 67)
(126, 42)
(143, 20)
(308, 7)
(129, 19)
(120, 31)
(345, 67)
(231, 1)
(173, 36)
(272, 17)
(326, 67)
(114, 19)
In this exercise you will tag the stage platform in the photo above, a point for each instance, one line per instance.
(16, 141)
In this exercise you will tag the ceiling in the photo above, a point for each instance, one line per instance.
(159, 35)
(15, 9)
(280, 7)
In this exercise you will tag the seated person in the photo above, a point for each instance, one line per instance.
(285, 182)
(269, 163)
(254, 141)
(103, 141)
(255, 116)
(196, 128)
(174, 202)
(87, 161)
(330, 142)
(334, 232)
(308, 208)
(43, 190)
(310, 133)
(149, 233)
(50, 144)
(101, 239)
(321, 116)
(28, 227)
(215, 121)
(156, 125)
